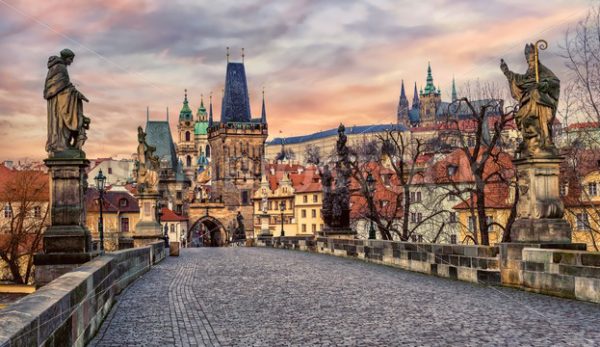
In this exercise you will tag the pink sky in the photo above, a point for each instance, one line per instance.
(321, 62)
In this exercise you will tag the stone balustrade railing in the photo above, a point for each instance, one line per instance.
(68, 311)
(567, 273)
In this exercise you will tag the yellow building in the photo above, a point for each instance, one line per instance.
(299, 190)
(498, 204)
(582, 209)
(120, 214)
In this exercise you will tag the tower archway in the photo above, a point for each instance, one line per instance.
(207, 232)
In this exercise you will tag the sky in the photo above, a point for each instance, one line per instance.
(320, 62)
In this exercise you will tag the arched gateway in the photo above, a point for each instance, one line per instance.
(207, 232)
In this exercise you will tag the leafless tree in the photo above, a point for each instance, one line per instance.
(24, 196)
(479, 138)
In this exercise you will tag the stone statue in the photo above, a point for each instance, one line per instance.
(240, 233)
(340, 197)
(147, 165)
(326, 181)
(66, 123)
(537, 92)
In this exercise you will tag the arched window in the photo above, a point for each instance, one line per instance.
(172, 228)
(187, 136)
(188, 161)
(207, 151)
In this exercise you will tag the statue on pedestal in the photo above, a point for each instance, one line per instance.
(66, 123)
(537, 92)
(147, 165)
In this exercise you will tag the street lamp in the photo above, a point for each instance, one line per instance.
(100, 185)
(371, 190)
(282, 208)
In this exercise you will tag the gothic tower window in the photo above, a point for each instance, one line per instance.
(207, 151)
(187, 136)
(188, 161)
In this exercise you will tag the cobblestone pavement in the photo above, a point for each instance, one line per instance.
(267, 297)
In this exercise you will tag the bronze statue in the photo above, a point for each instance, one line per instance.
(147, 165)
(537, 92)
(66, 123)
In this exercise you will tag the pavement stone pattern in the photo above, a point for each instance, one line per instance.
(270, 297)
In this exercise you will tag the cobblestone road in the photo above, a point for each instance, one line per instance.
(267, 297)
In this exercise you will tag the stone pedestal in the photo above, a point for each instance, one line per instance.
(539, 222)
(264, 225)
(67, 242)
(147, 230)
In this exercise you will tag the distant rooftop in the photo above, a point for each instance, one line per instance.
(351, 130)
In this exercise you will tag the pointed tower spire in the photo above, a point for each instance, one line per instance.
(227, 54)
(185, 115)
(263, 113)
(201, 113)
(210, 113)
(402, 114)
(147, 113)
(429, 87)
(416, 103)
(454, 95)
(243, 55)
(167, 114)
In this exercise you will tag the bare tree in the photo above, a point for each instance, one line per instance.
(582, 53)
(479, 139)
(24, 196)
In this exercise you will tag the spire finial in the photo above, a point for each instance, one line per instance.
(167, 113)
(147, 113)
(228, 54)
(210, 113)
(243, 55)
(454, 94)
(185, 98)
(263, 115)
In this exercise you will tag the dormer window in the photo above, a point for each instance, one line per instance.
(452, 170)
(123, 203)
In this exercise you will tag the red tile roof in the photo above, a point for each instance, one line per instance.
(114, 202)
(170, 216)
(36, 183)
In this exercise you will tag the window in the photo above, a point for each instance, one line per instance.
(303, 214)
(453, 239)
(207, 151)
(383, 203)
(123, 203)
(416, 217)
(7, 211)
(412, 196)
(582, 221)
(419, 217)
(178, 195)
(451, 197)
(245, 199)
(452, 170)
(37, 212)
(490, 222)
(179, 208)
(564, 189)
(315, 198)
(187, 136)
(420, 238)
(314, 213)
(385, 179)
(305, 199)
(592, 189)
(303, 228)
(452, 217)
(188, 161)
(110, 170)
(470, 142)
(471, 225)
(124, 225)
(314, 228)
(172, 228)
(418, 197)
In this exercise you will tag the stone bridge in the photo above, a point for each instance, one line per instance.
(267, 297)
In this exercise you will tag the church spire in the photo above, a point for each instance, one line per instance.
(454, 95)
(429, 87)
(186, 112)
(415, 103)
(263, 114)
(402, 105)
(201, 113)
(147, 113)
(210, 113)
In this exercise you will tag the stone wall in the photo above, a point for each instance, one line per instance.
(478, 264)
(68, 311)
(567, 273)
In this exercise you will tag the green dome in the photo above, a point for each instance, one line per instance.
(200, 128)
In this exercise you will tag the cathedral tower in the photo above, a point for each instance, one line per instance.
(186, 149)
(403, 108)
(430, 100)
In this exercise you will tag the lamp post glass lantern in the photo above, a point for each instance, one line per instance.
(371, 190)
(100, 185)
(282, 208)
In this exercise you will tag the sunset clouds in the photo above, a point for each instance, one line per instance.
(321, 62)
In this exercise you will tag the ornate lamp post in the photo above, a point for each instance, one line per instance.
(371, 190)
(100, 185)
(282, 208)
